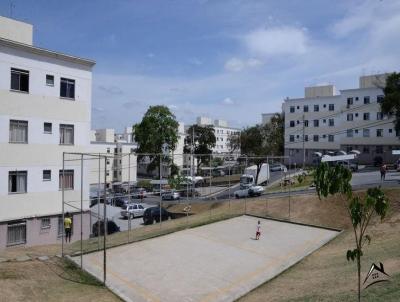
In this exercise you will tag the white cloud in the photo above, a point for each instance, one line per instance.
(235, 64)
(228, 101)
(276, 41)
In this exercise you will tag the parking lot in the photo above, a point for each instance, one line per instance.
(216, 262)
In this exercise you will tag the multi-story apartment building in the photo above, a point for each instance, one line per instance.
(45, 110)
(325, 120)
(121, 162)
(222, 133)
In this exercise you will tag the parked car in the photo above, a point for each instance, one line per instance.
(139, 193)
(256, 191)
(121, 202)
(352, 166)
(111, 228)
(171, 195)
(152, 215)
(249, 191)
(132, 210)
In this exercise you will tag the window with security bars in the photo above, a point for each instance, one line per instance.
(66, 179)
(17, 181)
(66, 134)
(19, 80)
(16, 233)
(18, 131)
(45, 223)
(67, 88)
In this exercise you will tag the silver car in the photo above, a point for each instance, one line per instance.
(133, 210)
(172, 195)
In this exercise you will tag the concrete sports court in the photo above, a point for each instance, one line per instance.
(216, 262)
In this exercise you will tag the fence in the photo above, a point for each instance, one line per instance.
(183, 190)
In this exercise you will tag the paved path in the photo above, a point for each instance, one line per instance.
(216, 262)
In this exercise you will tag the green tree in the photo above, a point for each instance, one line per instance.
(336, 181)
(391, 100)
(274, 134)
(202, 139)
(157, 129)
(176, 181)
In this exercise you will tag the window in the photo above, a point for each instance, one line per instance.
(356, 98)
(349, 101)
(297, 122)
(17, 181)
(297, 136)
(331, 122)
(324, 121)
(18, 131)
(349, 116)
(379, 132)
(349, 132)
(49, 80)
(356, 114)
(291, 109)
(379, 98)
(305, 123)
(66, 178)
(379, 149)
(298, 107)
(47, 127)
(306, 138)
(316, 123)
(366, 100)
(366, 150)
(331, 138)
(291, 138)
(315, 138)
(66, 134)
(323, 136)
(46, 175)
(379, 116)
(67, 88)
(108, 150)
(305, 108)
(19, 80)
(365, 132)
(366, 116)
(291, 123)
(16, 233)
(390, 130)
(331, 107)
(356, 131)
(316, 108)
(45, 223)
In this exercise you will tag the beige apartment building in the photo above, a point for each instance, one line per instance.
(325, 120)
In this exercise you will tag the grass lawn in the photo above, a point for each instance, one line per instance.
(308, 180)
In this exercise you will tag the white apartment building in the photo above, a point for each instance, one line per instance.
(45, 111)
(325, 120)
(121, 162)
(222, 133)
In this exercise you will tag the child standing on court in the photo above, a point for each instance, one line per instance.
(258, 232)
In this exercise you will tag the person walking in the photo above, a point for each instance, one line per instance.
(383, 172)
(67, 227)
(258, 231)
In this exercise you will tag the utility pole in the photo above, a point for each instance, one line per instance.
(304, 151)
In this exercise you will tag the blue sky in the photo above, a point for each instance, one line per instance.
(226, 59)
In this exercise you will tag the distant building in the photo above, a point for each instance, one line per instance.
(222, 133)
(45, 110)
(325, 121)
(266, 117)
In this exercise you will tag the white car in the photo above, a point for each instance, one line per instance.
(133, 210)
(172, 195)
(249, 192)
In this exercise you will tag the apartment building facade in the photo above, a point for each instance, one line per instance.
(45, 111)
(222, 132)
(325, 121)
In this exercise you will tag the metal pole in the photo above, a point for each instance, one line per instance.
(81, 210)
(129, 195)
(98, 207)
(160, 188)
(210, 183)
(105, 223)
(304, 150)
(290, 184)
(229, 187)
(63, 200)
